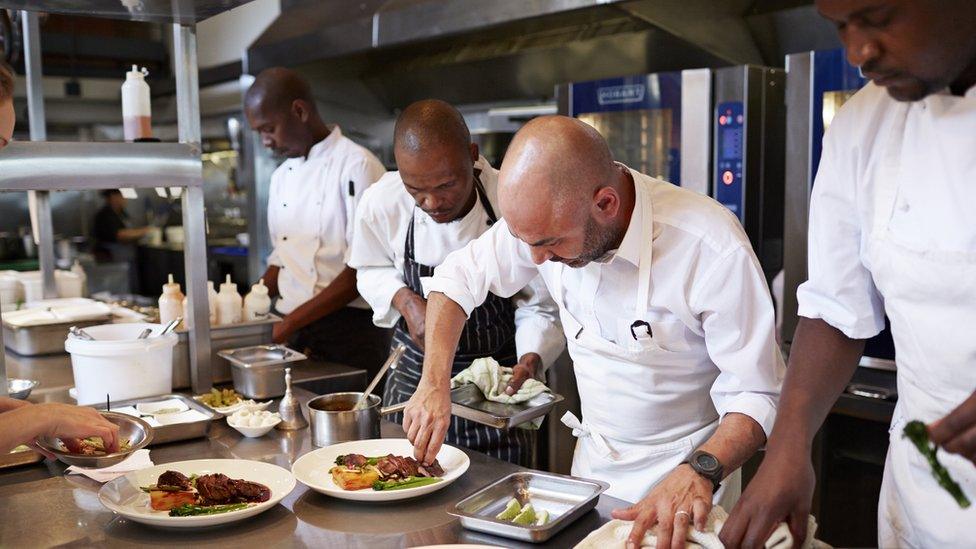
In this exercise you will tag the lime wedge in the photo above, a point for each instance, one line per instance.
(542, 518)
(526, 517)
(512, 509)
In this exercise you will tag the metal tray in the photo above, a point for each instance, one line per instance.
(177, 431)
(565, 498)
(470, 403)
(229, 336)
(45, 339)
(17, 458)
(258, 356)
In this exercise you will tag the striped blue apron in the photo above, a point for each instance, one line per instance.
(489, 332)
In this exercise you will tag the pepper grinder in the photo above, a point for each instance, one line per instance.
(289, 409)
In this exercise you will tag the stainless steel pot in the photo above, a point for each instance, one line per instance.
(333, 420)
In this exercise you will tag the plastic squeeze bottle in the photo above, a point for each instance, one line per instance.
(257, 302)
(136, 106)
(211, 302)
(229, 303)
(171, 302)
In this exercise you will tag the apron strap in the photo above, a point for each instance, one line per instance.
(483, 196)
(640, 329)
(582, 430)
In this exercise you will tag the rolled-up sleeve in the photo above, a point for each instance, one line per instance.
(839, 289)
(495, 262)
(738, 321)
(372, 256)
(537, 326)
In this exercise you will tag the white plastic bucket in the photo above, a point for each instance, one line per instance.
(119, 365)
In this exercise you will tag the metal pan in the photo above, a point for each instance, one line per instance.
(175, 431)
(470, 403)
(333, 419)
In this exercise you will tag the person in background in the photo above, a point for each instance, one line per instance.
(445, 195)
(115, 237)
(311, 208)
(20, 421)
(891, 233)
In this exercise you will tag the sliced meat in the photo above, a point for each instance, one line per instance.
(432, 470)
(353, 461)
(251, 492)
(174, 479)
(215, 489)
(397, 467)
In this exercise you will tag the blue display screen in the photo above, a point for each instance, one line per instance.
(729, 128)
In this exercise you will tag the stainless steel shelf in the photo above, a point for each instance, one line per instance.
(43, 165)
(183, 12)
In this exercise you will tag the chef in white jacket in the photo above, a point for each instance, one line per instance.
(665, 309)
(311, 208)
(891, 232)
(444, 196)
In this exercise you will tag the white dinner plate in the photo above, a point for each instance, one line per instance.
(312, 469)
(124, 497)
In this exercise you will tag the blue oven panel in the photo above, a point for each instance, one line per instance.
(730, 156)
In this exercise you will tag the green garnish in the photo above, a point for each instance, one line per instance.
(512, 509)
(916, 432)
(410, 482)
(341, 460)
(187, 510)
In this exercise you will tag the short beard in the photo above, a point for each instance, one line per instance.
(597, 245)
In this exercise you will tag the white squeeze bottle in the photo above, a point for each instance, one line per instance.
(211, 302)
(257, 302)
(171, 302)
(229, 303)
(136, 107)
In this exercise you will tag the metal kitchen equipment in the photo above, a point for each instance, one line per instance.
(469, 402)
(334, 420)
(229, 336)
(565, 498)
(391, 362)
(19, 456)
(20, 388)
(137, 431)
(258, 371)
(175, 431)
(44, 339)
(289, 409)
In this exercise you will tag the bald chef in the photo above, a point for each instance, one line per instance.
(664, 305)
(444, 196)
(311, 205)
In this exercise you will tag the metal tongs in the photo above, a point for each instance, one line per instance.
(80, 334)
(391, 362)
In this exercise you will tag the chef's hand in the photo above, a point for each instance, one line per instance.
(528, 367)
(70, 423)
(782, 490)
(7, 404)
(956, 432)
(413, 308)
(426, 420)
(681, 498)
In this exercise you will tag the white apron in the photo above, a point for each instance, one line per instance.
(645, 409)
(930, 297)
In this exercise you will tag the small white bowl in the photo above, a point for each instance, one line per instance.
(253, 431)
(252, 406)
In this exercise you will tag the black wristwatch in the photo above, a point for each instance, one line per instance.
(708, 466)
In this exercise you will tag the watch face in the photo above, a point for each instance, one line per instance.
(707, 462)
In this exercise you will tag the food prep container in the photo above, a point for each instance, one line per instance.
(139, 433)
(333, 420)
(175, 431)
(230, 336)
(19, 456)
(565, 498)
(468, 402)
(45, 339)
(259, 371)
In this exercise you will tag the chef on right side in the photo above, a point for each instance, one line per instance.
(892, 231)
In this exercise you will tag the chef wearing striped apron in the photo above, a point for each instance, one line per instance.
(408, 222)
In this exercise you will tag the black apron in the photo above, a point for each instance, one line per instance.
(489, 332)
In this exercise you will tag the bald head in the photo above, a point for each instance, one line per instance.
(280, 106)
(276, 89)
(560, 190)
(429, 124)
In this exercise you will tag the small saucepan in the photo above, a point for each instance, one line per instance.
(334, 420)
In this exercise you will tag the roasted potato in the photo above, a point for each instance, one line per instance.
(164, 501)
(354, 479)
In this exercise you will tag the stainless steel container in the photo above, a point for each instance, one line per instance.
(137, 431)
(231, 336)
(20, 388)
(333, 420)
(175, 431)
(565, 498)
(45, 339)
(468, 402)
(259, 371)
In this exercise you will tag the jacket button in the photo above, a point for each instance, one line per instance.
(284, 238)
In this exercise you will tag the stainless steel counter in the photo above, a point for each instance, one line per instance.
(41, 507)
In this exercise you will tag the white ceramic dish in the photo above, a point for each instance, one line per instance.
(123, 496)
(246, 426)
(312, 469)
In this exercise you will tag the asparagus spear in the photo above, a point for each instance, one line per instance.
(187, 510)
(916, 432)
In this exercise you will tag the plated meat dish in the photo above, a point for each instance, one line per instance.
(390, 472)
(203, 495)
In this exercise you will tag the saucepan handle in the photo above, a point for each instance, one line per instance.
(396, 408)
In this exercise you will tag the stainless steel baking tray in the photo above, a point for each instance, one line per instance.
(176, 431)
(565, 498)
(44, 339)
(229, 336)
(16, 458)
(470, 403)
(261, 355)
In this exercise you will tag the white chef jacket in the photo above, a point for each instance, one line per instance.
(377, 254)
(707, 291)
(311, 206)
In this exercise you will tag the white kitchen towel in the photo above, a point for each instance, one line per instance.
(492, 378)
(138, 460)
(613, 535)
